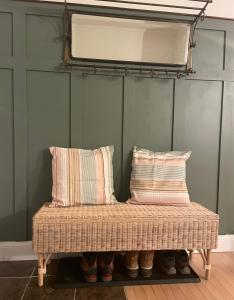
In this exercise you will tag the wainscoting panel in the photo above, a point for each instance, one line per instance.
(148, 114)
(229, 59)
(48, 125)
(226, 186)
(209, 50)
(6, 34)
(7, 210)
(47, 43)
(196, 128)
(43, 103)
(96, 116)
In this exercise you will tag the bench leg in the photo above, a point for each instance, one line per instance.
(40, 270)
(190, 254)
(206, 254)
(43, 259)
(208, 265)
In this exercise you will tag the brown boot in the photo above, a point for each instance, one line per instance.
(89, 266)
(146, 263)
(131, 263)
(106, 265)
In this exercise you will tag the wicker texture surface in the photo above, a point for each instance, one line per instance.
(123, 227)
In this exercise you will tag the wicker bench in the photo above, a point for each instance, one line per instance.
(123, 227)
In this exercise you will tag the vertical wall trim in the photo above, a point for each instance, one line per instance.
(220, 148)
(12, 34)
(122, 133)
(70, 114)
(27, 160)
(173, 116)
(224, 50)
(19, 232)
(13, 138)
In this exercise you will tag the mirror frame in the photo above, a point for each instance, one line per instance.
(68, 58)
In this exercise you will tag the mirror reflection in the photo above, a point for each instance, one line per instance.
(129, 40)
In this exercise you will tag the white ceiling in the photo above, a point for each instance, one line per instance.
(219, 8)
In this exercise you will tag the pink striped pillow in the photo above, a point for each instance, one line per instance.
(159, 178)
(82, 176)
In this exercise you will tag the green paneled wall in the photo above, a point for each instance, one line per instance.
(148, 110)
(43, 104)
(226, 191)
(196, 127)
(96, 116)
(48, 105)
(6, 158)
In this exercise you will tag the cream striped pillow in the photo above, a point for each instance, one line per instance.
(82, 176)
(159, 178)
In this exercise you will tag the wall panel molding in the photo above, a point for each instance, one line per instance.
(148, 109)
(50, 104)
(7, 174)
(48, 117)
(48, 42)
(226, 192)
(229, 58)
(207, 42)
(197, 128)
(96, 116)
(6, 34)
(20, 127)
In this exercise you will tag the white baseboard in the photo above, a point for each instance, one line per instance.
(225, 243)
(23, 250)
(16, 251)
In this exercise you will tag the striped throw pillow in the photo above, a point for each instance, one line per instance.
(82, 176)
(159, 178)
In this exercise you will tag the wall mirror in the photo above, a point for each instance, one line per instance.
(114, 39)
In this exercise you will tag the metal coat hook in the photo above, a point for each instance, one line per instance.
(140, 71)
(202, 16)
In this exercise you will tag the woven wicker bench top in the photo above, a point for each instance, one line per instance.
(122, 211)
(123, 227)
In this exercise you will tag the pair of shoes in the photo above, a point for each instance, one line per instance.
(173, 262)
(145, 258)
(90, 263)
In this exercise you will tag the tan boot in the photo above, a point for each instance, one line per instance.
(131, 263)
(146, 263)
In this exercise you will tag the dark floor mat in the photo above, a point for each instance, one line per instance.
(70, 275)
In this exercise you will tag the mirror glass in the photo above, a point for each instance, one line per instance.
(129, 40)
